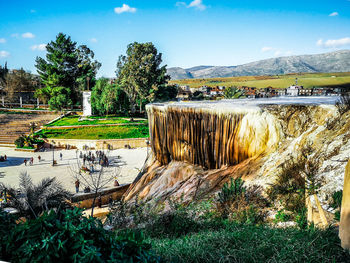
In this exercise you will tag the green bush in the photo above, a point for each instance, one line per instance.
(70, 237)
(281, 216)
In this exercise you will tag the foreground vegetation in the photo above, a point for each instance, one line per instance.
(308, 80)
(249, 243)
(229, 228)
(99, 132)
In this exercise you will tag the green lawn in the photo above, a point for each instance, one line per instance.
(99, 132)
(308, 80)
(74, 120)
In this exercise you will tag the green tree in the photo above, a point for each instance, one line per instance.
(65, 69)
(108, 98)
(3, 73)
(164, 93)
(139, 72)
(232, 93)
(17, 81)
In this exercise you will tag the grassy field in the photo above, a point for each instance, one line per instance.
(100, 132)
(308, 80)
(74, 120)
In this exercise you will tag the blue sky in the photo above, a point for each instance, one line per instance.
(188, 33)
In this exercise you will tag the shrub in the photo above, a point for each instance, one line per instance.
(289, 188)
(336, 203)
(281, 216)
(70, 237)
(241, 204)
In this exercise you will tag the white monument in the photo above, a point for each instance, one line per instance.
(87, 103)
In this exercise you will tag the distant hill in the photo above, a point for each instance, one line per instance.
(338, 61)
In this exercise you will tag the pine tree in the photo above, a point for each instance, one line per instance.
(64, 72)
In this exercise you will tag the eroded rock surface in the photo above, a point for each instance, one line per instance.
(198, 148)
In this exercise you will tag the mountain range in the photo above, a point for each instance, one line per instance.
(337, 61)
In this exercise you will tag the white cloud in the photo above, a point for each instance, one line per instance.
(2, 40)
(4, 54)
(93, 40)
(334, 14)
(40, 47)
(332, 43)
(181, 4)
(124, 9)
(278, 53)
(198, 4)
(267, 49)
(28, 35)
(289, 52)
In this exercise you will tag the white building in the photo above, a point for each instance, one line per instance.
(293, 90)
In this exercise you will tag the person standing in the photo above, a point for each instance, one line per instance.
(25, 162)
(39, 158)
(31, 161)
(61, 155)
(77, 184)
(99, 201)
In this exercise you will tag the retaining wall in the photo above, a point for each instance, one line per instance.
(97, 144)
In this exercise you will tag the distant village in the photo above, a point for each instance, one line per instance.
(217, 92)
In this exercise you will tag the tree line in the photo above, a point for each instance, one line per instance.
(69, 68)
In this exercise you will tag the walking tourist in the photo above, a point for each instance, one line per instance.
(77, 184)
(31, 161)
(25, 162)
(39, 158)
(61, 155)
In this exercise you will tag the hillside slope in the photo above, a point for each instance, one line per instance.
(338, 61)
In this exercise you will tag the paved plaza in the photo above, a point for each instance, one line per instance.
(129, 161)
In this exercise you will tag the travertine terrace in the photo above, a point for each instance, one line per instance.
(198, 146)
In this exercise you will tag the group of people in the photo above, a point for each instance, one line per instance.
(30, 161)
(99, 157)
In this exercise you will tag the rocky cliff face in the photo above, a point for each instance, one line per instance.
(198, 147)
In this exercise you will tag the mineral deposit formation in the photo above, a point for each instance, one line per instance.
(198, 146)
(210, 135)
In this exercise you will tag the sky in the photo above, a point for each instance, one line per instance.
(187, 33)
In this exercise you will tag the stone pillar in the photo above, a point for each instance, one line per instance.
(37, 102)
(20, 102)
(3, 101)
(344, 229)
(87, 103)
